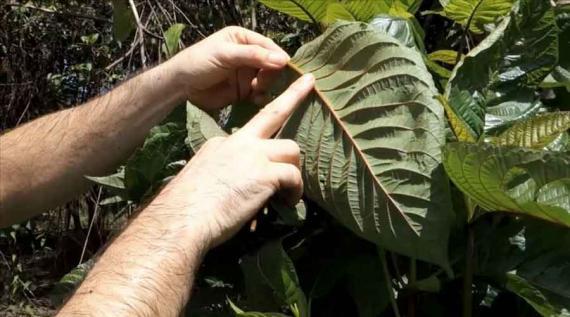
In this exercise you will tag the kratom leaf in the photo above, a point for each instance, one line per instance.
(459, 127)
(500, 75)
(444, 56)
(370, 139)
(277, 271)
(123, 20)
(476, 13)
(540, 300)
(531, 182)
(305, 10)
(201, 127)
(172, 39)
(535, 132)
(406, 30)
(147, 168)
(365, 10)
(337, 12)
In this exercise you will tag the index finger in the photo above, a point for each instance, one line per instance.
(270, 118)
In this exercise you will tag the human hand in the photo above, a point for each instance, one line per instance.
(230, 65)
(231, 178)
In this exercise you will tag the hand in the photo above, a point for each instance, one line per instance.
(231, 178)
(230, 65)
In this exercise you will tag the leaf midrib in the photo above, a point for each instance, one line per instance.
(344, 129)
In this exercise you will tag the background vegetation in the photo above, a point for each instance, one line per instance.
(500, 69)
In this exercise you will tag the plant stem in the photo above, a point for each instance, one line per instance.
(412, 283)
(468, 275)
(388, 280)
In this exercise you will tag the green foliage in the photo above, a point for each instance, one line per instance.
(535, 183)
(172, 39)
(272, 269)
(486, 85)
(535, 132)
(377, 136)
(475, 14)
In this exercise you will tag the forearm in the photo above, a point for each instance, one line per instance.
(148, 270)
(43, 163)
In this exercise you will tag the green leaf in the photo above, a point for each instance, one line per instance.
(545, 305)
(240, 313)
(500, 75)
(535, 183)
(476, 13)
(444, 56)
(278, 272)
(365, 10)
(337, 12)
(367, 286)
(201, 127)
(69, 282)
(459, 127)
(148, 167)
(123, 20)
(305, 10)
(535, 132)
(172, 38)
(114, 181)
(406, 30)
(370, 136)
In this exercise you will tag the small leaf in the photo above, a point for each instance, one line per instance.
(535, 132)
(406, 30)
(240, 313)
(201, 127)
(305, 10)
(172, 39)
(277, 271)
(459, 127)
(123, 20)
(444, 56)
(69, 282)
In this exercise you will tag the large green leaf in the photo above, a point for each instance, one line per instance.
(370, 138)
(476, 13)
(306, 10)
(271, 268)
(407, 30)
(500, 75)
(364, 10)
(535, 183)
(535, 132)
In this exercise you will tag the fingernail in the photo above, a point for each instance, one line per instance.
(308, 79)
(277, 58)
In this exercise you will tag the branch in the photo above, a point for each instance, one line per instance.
(64, 13)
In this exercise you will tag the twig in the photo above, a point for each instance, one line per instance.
(388, 280)
(91, 225)
(65, 13)
(140, 31)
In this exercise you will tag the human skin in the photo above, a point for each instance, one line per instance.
(149, 268)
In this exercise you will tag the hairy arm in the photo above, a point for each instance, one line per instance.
(43, 163)
(148, 270)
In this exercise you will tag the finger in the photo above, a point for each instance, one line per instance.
(289, 182)
(264, 79)
(282, 151)
(271, 117)
(245, 36)
(242, 83)
(255, 56)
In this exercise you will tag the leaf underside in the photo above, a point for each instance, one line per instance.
(370, 139)
(536, 132)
